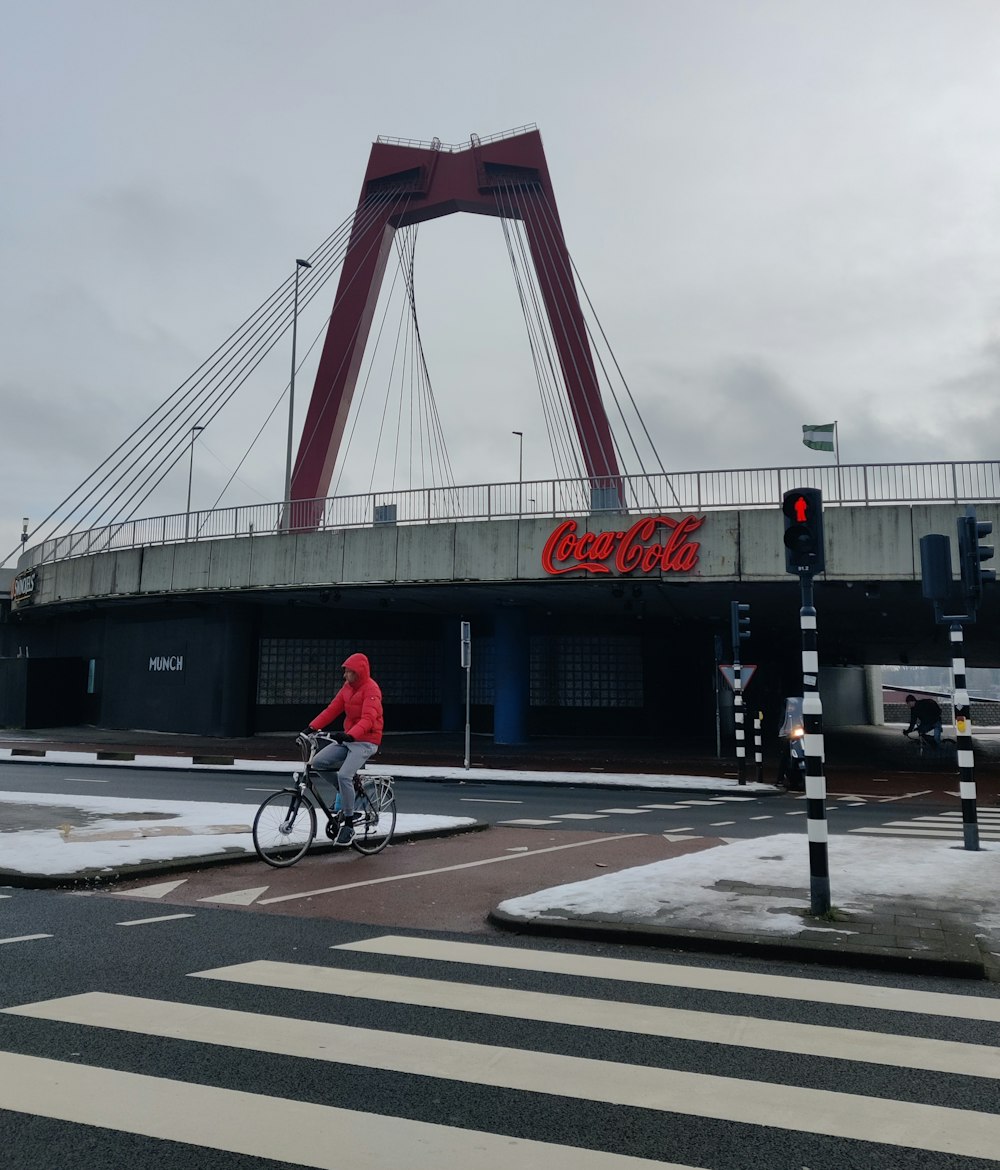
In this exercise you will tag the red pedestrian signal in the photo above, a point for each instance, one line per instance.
(803, 512)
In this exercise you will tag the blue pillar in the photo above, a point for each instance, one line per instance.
(511, 684)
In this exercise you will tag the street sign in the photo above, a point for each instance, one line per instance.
(746, 674)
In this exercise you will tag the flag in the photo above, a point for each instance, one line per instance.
(819, 436)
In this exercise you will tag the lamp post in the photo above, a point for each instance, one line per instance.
(24, 532)
(520, 467)
(187, 510)
(299, 264)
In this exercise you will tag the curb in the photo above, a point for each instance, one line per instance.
(642, 934)
(95, 879)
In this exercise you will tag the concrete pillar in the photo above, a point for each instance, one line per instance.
(512, 659)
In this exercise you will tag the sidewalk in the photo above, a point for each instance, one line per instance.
(911, 905)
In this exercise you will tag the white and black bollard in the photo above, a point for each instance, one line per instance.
(812, 721)
(963, 732)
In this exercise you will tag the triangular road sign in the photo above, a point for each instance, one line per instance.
(746, 674)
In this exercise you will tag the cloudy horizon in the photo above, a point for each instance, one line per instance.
(784, 214)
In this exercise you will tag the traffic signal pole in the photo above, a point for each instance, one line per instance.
(963, 733)
(812, 721)
(805, 555)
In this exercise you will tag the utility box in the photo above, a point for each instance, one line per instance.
(385, 513)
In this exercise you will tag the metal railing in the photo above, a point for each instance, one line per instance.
(455, 148)
(699, 491)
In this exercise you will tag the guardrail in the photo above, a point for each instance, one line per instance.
(699, 491)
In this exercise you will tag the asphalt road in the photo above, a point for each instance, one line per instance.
(427, 1054)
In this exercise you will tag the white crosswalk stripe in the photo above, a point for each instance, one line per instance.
(429, 1030)
(941, 825)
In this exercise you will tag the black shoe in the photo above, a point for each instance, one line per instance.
(346, 835)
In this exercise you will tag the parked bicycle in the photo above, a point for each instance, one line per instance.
(285, 824)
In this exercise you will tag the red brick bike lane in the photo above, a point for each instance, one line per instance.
(449, 883)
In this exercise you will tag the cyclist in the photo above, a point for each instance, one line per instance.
(359, 700)
(925, 717)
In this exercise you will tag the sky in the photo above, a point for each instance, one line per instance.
(783, 212)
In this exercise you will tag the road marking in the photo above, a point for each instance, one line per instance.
(928, 833)
(628, 812)
(929, 1003)
(403, 877)
(6, 895)
(81, 780)
(680, 829)
(673, 806)
(261, 789)
(486, 800)
(146, 921)
(580, 816)
(680, 835)
(763, 817)
(528, 822)
(295, 1133)
(705, 802)
(158, 891)
(704, 1027)
(844, 1115)
(799, 812)
(719, 824)
(238, 897)
(24, 937)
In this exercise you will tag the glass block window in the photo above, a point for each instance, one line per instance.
(482, 685)
(308, 670)
(569, 671)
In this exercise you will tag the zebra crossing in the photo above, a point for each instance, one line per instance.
(940, 826)
(601, 814)
(466, 1018)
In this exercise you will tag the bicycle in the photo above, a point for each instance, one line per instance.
(285, 824)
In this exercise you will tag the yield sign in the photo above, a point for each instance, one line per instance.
(746, 674)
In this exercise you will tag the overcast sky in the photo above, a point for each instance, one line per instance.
(784, 213)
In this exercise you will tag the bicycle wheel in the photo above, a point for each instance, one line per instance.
(284, 828)
(378, 802)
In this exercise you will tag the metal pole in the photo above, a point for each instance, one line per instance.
(812, 720)
(963, 729)
(291, 399)
(187, 510)
(741, 747)
(718, 704)
(758, 755)
(466, 660)
(520, 467)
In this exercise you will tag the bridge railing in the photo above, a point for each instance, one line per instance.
(851, 484)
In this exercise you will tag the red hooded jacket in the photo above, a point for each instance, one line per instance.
(361, 704)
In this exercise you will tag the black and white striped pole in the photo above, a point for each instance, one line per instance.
(758, 755)
(804, 556)
(739, 618)
(963, 733)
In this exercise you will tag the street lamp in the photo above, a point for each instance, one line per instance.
(520, 466)
(24, 532)
(291, 398)
(187, 511)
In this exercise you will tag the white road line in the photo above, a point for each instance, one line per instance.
(763, 817)
(580, 816)
(6, 895)
(983, 814)
(486, 800)
(670, 806)
(719, 824)
(845, 1115)
(681, 829)
(147, 921)
(296, 1133)
(238, 897)
(160, 890)
(275, 789)
(628, 812)
(82, 780)
(705, 802)
(527, 821)
(929, 834)
(404, 877)
(930, 1003)
(25, 938)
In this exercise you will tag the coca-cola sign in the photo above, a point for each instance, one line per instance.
(631, 550)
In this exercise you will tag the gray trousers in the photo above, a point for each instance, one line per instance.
(344, 759)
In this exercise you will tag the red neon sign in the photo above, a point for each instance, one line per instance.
(566, 551)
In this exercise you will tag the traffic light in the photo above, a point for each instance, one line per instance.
(935, 567)
(803, 511)
(971, 555)
(739, 616)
